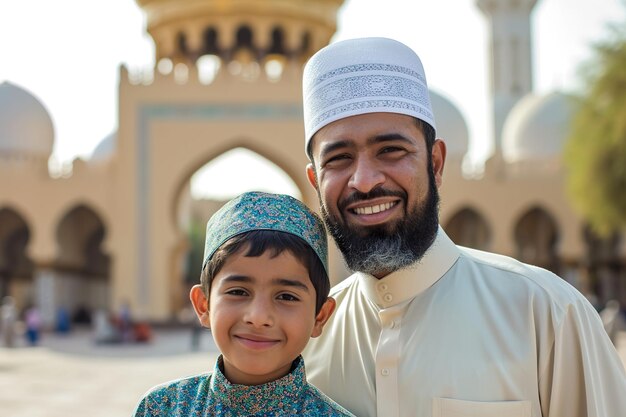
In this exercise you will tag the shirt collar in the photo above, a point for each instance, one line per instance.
(406, 283)
(275, 397)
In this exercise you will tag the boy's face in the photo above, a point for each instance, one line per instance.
(261, 313)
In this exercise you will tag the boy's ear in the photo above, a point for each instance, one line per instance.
(200, 305)
(322, 317)
(310, 174)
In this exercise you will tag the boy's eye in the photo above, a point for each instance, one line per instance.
(237, 292)
(288, 297)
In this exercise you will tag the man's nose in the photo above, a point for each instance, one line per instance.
(366, 176)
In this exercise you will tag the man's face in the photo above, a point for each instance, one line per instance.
(378, 192)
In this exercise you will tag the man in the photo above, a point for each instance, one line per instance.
(423, 327)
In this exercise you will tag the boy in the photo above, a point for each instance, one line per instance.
(263, 293)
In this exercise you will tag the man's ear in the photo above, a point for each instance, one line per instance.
(439, 160)
(310, 174)
(322, 317)
(200, 305)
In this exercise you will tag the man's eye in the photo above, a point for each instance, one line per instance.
(336, 159)
(390, 149)
(288, 297)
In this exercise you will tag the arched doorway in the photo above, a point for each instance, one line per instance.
(233, 172)
(536, 237)
(468, 228)
(80, 280)
(16, 269)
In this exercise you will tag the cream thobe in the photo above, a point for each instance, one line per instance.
(466, 333)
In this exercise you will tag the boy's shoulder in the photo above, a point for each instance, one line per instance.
(177, 397)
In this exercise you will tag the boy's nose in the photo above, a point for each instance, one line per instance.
(366, 175)
(259, 314)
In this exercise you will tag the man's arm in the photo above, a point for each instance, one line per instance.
(584, 376)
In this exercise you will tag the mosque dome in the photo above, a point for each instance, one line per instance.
(25, 126)
(105, 149)
(537, 127)
(451, 126)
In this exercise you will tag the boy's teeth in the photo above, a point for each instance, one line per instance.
(374, 209)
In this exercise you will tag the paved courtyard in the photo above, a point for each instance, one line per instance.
(73, 377)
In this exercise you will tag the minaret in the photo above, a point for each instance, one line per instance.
(510, 56)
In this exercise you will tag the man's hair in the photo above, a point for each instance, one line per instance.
(256, 243)
(429, 134)
(428, 131)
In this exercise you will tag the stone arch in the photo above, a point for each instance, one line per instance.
(16, 268)
(78, 279)
(467, 227)
(185, 175)
(187, 252)
(536, 238)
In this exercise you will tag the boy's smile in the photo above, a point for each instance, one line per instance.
(253, 341)
(262, 313)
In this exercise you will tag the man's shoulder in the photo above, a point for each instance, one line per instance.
(501, 270)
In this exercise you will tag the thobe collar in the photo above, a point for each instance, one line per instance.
(406, 283)
(277, 397)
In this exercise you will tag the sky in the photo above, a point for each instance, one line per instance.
(67, 53)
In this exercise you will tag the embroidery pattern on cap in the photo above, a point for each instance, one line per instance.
(372, 104)
(265, 211)
(369, 67)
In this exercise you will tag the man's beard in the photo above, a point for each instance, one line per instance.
(380, 250)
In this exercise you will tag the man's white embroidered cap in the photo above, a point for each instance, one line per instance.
(365, 75)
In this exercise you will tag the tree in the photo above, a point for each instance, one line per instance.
(595, 153)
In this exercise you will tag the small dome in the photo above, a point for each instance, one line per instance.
(537, 127)
(451, 126)
(25, 125)
(105, 149)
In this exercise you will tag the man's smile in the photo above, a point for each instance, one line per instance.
(377, 208)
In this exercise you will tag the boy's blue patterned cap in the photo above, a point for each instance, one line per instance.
(265, 211)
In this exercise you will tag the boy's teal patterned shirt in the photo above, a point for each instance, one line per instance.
(211, 394)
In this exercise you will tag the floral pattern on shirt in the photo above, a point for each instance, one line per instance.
(211, 394)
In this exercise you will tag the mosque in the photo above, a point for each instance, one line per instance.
(227, 76)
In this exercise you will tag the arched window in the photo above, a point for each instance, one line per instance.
(536, 236)
(15, 266)
(278, 42)
(244, 38)
(210, 42)
(468, 228)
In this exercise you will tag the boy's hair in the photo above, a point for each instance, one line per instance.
(256, 243)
